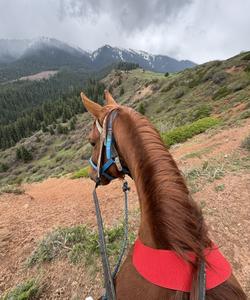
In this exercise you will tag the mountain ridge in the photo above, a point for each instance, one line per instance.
(15, 56)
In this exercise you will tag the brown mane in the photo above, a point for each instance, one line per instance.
(176, 220)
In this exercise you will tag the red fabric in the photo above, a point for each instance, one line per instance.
(166, 269)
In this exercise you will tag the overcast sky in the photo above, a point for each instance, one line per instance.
(199, 30)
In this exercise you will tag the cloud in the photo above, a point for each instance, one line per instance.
(184, 29)
(129, 14)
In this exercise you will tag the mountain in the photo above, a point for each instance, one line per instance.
(24, 57)
(158, 63)
(41, 55)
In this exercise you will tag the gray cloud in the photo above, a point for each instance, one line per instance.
(185, 29)
(129, 14)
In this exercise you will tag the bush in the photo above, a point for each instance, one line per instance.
(121, 91)
(179, 93)
(182, 133)
(219, 77)
(246, 143)
(25, 291)
(23, 154)
(81, 173)
(166, 74)
(62, 129)
(246, 57)
(3, 167)
(141, 108)
(222, 92)
(202, 112)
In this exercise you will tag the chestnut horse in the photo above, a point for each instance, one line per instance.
(169, 218)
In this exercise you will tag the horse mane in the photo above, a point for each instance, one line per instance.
(176, 221)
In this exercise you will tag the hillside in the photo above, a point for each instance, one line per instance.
(218, 89)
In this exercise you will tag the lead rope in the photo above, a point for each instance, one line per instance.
(202, 281)
(109, 285)
(108, 278)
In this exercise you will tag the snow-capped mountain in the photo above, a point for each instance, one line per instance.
(159, 63)
(25, 57)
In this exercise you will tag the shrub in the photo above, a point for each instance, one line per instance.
(25, 291)
(23, 154)
(222, 92)
(3, 167)
(246, 57)
(194, 82)
(81, 173)
(219, 77)
(62, 129)
(166, 74)
(12, 189)
(141, 108)
(202, 112)
(122, 91)
(247, 69)
(179, 93)
(246, 143)
(182, 133)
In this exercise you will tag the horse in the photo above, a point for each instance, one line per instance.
(170, 220)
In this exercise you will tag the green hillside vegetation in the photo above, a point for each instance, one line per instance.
(180, 105)
(44, 103)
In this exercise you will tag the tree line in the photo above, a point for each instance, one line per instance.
(28, 110)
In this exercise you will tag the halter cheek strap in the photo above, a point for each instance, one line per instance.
(107, 140)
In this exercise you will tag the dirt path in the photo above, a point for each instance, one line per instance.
(208, 145)
(26, 218)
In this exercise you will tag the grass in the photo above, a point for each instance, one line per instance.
(220, 188)
(11, 189)
(79, 244)
(84, 172)
(216, 169)
(25, 291)
(199, 153)
(182, 133)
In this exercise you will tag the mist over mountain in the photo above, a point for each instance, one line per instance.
(24, 57)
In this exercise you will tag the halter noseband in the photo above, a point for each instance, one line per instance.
(107, 140)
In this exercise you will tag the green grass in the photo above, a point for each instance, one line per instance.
(182, 133)
(81, 173)
(220, 188)
(79, 244)
(25, 291)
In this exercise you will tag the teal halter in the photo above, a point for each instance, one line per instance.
(111, 152)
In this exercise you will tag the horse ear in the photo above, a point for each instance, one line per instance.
(92, 107)
(109, 99)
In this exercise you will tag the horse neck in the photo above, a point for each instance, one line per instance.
(170, 219)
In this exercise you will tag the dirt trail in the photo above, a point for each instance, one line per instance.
(26, 218)
(209, 145)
